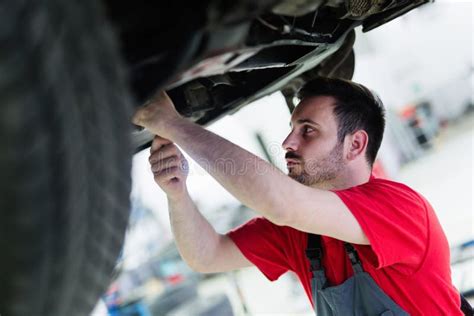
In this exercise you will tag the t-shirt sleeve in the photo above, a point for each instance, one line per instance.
(394, 219)
(262, 243)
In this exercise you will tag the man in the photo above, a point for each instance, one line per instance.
(383, 249)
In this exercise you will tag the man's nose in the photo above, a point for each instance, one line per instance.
(290, 143)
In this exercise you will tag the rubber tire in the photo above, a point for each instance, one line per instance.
(65, 157)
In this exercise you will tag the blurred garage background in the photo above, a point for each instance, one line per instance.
(421, 65)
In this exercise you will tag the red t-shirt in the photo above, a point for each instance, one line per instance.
(408, 255)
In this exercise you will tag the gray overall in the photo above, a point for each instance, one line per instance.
(359, 295)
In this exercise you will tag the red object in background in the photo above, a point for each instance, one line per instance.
(175, 279)
(408, 111)
(378, 170)
(112, 297)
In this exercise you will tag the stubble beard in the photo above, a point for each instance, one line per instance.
(319, 173)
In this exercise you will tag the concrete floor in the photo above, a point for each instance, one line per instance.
(444, 176)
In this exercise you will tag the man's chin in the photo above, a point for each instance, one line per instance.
(292, 174)
(297, 177)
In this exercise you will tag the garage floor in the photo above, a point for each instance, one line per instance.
(444, 176)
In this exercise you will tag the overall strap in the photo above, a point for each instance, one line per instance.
(353, 257)
(466, 308)
(314, 252)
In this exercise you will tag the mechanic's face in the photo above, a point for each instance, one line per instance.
(314, 155)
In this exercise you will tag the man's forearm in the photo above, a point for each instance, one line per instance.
(253, 181)
(196, 239)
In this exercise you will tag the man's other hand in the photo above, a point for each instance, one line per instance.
(170, 168)
(156, 113)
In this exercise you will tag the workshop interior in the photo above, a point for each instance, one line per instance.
(84, 230)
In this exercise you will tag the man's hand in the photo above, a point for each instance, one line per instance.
(156, 113)
(170, 168)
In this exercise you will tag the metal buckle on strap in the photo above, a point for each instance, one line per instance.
(352, 253)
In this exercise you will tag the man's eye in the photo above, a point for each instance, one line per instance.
(307, 129)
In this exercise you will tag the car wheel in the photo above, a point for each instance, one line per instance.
(65, 157)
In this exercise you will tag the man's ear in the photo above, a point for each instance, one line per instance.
(357, 144)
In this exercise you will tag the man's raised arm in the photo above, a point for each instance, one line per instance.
(261, 186)
(203, 249)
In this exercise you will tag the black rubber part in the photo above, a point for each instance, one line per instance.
(65, 156)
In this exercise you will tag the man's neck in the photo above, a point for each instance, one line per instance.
(344, 181)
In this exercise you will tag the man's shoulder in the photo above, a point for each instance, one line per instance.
(389, 186)
(384, 189)
(260, 223)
